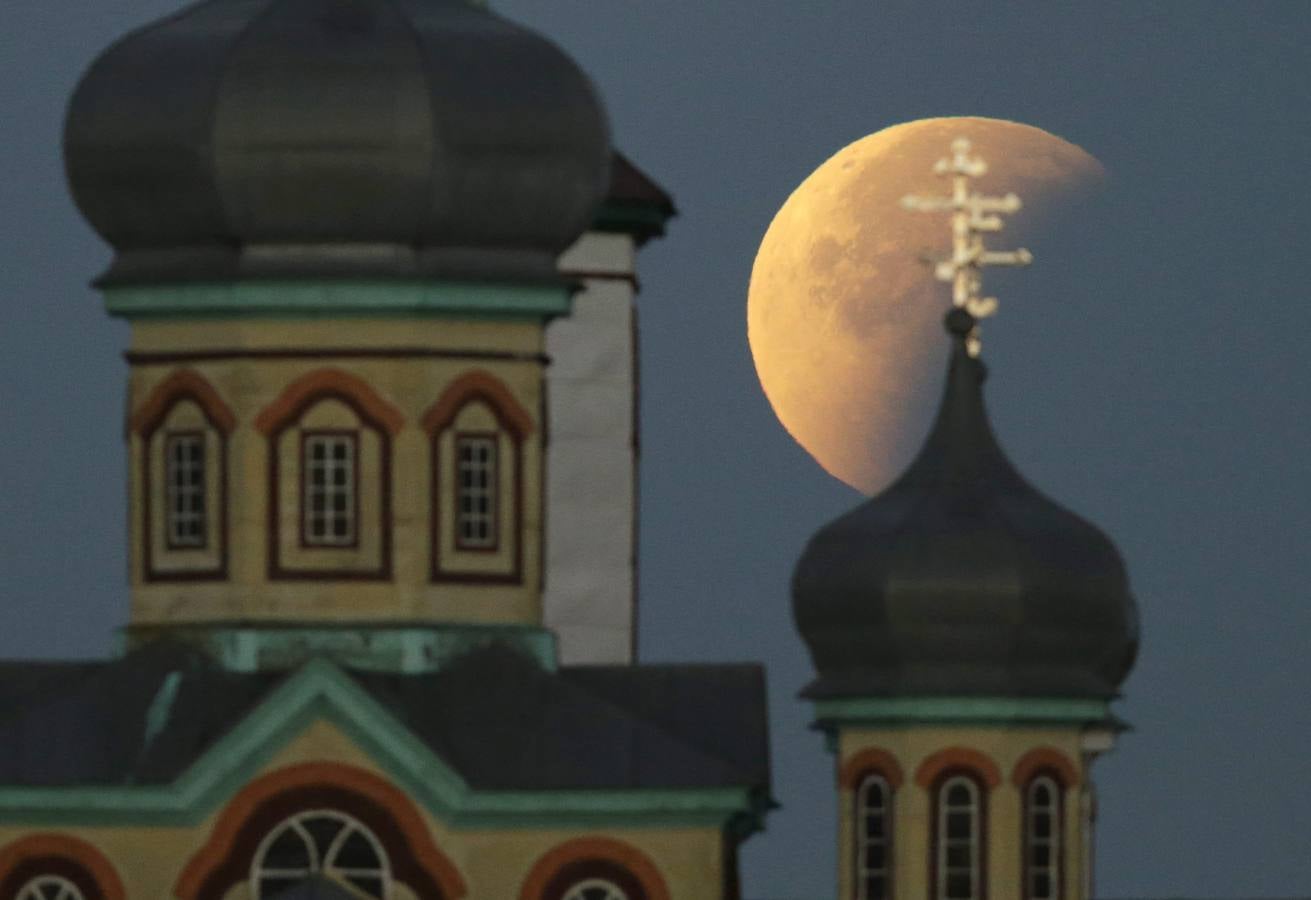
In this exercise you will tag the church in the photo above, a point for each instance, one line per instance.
(379, 263)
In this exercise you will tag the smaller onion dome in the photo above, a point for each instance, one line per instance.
(257, 138)
(961, 579)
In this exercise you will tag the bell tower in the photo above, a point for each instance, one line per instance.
(339, 285)
(969, 635)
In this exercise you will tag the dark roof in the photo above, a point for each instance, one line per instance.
(634, 203)
(963, 579)
(506, 723)
(88, 725)
(494, 715)
(719, 709)
(629, 184)
(258, 138)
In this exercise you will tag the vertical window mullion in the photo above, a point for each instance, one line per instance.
(958, 863)
(1042, 805)
(475, 492)
(184, 490)
(329, 489)
(873, 838)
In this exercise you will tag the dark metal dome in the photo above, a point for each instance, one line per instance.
(961, 579)
(250, 138)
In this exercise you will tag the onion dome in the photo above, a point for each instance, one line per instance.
(961, 579)
(257, 138)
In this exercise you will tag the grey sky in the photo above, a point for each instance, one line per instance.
(1149, 370)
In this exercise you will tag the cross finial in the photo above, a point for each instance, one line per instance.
(971, 215)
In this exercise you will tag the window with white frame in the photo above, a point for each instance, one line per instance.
(958, 864)
(475, 511)
(1042, 871)
(873, 838)
(50, 887)
(595, 889)
(184, 490)
(321, 843)
(329, 494)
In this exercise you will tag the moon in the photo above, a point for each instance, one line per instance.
(845, 320)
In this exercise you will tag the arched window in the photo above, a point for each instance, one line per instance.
(1042, 838)
(181, 433)
(322, 843)
(329, 496)
(958, 839)
(594, 879)
(477, 429)
(50, 887)
(595, 889)
(873, 830)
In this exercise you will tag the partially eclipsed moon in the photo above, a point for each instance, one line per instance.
(843, 318)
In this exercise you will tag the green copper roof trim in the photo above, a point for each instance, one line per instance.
(322, 691)
(161, 707)
(352, 298)
(407, 649)
(950, 710)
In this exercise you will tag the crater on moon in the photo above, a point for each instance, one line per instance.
(844, 320)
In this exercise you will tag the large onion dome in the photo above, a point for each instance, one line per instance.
(255, 138)
(961, 579)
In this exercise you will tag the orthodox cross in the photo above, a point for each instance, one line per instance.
(972, 214)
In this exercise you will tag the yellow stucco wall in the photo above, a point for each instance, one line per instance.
(410, 384)
(911, 813)
(494, 863)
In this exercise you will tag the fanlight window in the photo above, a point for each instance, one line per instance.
(50, 887)
(595, 889)
(1042, 839)
(873, 839)
(958, 872)
(326, 843)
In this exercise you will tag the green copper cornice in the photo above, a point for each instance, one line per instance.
(960, 710)
(323, 299)
(404, 648)
(321, 692)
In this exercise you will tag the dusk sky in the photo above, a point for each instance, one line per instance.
(1150, 370)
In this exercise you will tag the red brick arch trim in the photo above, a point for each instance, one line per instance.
(58, 854)
(479, 385)
(207, 871)
(595, 850)
(329, 383)
(958, 758)
(870, 761)
(1045, 759)
(184, 384)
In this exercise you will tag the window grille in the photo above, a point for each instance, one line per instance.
(958, 863)
(49, 887)
(184, 492)
(595, 889)
(873, 839)
(329, 497)
(476, 464)
(1042, 839)
(321, 842)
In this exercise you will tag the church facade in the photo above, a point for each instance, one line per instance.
(379, 262)
(362, 659)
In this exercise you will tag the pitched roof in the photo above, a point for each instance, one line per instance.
(503, 723)
(494, 716)
(634, 204)
(65, 724)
